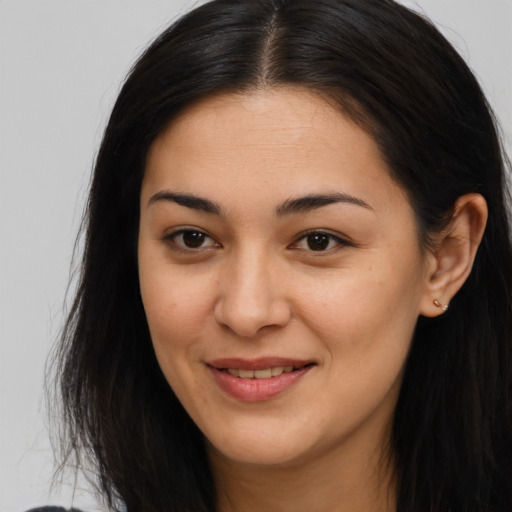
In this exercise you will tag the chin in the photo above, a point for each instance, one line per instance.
(262, 447)
(256, 455)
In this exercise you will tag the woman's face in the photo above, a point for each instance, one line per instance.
(281, 275)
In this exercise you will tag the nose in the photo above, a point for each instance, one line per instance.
(251, 296)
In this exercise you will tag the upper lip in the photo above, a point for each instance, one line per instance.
(257, 364)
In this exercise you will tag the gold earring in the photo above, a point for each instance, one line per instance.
(437, 304)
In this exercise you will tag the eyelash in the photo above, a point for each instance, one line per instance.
(339, 242)
(171, 238)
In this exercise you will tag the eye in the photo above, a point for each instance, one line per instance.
(319, 241)
(190, 239)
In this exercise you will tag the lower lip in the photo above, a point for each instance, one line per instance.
(257, 390)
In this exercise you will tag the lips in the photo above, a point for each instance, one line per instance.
(258, 364)
(257, 379)
(266, 373)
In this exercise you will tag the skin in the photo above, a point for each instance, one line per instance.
(253, 287)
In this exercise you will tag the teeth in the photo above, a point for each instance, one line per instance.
(277, 371)
(267, 373)
(263, 374)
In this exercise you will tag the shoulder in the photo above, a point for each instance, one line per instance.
(53, 509)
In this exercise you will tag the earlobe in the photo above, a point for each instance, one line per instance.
(449, 265)
(437, 304)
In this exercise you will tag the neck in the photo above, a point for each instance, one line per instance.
(333, 482)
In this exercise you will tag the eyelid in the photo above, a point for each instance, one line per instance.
(170, 237)
(341, 240)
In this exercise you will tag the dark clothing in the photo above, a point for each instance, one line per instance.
(53, 509)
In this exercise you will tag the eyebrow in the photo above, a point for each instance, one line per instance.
(188, 200)
(314, 201)
(290, 206)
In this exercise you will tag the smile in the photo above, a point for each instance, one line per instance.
(267, 373)
(258, 380)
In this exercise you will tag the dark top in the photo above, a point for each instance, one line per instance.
(53, 509)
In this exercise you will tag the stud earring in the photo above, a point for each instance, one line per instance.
(437, 304)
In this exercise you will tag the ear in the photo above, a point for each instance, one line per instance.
(450, 263)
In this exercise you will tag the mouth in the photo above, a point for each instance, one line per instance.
(261, 368)
(259, 379)
(266, 373)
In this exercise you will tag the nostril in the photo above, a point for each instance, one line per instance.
(252, 316)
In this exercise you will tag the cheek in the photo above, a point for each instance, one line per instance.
(366, 327)
(177, 308)
(177, 304)
(370, 312)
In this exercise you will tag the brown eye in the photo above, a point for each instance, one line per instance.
(190, 239)
(193, 239)
(318, 241)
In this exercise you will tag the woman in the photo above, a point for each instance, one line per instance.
(296, 286)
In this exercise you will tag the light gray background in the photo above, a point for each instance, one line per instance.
(61, 66)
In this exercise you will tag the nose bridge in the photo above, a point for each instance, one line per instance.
(250, 296)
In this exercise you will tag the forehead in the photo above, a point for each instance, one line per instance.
(279, 142)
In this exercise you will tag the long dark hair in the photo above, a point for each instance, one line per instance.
(392, 72)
